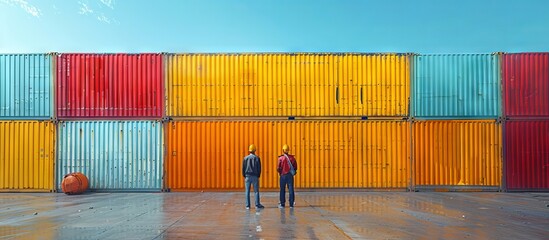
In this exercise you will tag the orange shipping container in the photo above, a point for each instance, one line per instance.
(330, 154)
(461, 154)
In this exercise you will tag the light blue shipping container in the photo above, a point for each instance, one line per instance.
(456, 86)
(26, 86)
(114, 155)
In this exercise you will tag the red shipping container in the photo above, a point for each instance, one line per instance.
(526, 84)
(109, 86)
(527, 155)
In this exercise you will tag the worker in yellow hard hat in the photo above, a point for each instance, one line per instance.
(287, 169)
(251, 171)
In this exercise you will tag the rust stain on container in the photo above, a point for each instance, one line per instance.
(330, 154)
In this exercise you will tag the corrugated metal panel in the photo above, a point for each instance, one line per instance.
(330, 154)
(114, 155)
(526, 84)
(456, 86)
(458, 153)
(374, 85)
(109, 85)
(26, 90)
(27, 154)
(287, 85)
(527, 155)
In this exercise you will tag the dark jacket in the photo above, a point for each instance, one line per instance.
(283, 167)
(251, 166)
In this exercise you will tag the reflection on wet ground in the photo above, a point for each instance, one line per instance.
(317, 215)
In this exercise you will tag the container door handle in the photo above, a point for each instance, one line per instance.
(337, 95)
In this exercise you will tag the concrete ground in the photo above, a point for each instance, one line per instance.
(317, 215)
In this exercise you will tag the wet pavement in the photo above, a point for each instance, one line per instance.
(317, 215)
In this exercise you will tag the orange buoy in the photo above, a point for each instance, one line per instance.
(74, 183)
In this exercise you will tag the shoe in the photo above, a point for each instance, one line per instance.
(291, 206)
(280, 206)
(259, 206)
(247, 207)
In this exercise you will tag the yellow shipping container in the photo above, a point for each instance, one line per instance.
(330, 154)
(457, 153)
(264, 85)
(27, 155)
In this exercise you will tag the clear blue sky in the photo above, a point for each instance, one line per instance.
(423, 26)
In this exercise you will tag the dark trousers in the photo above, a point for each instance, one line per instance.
(287, 179)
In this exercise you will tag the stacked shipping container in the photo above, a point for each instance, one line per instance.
(526, 134)
(27, 132)
(28, 155)
(91, 86)
(457, 86)
(343, 114)
(26, 86)
(110, 107)
(252, 93)
(456, 132)
(332, 154)
(274, 85)
(114, 155)
(457, 154)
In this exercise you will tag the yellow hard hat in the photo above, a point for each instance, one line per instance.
(251, 148)
(285, 148)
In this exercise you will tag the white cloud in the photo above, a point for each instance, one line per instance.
(108, 3)
(84, 9)
(107, 20)
(98, 14)
(29, 8)
(103, 18)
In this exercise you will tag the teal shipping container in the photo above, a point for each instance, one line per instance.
(114, 155)
(26, 90)
(456, 86)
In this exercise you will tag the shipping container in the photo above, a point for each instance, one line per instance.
(26, 89)
(27, 155)
(266, 85)
(527, 155)
(456, 86)
(110, 86)
(204, 155)
(464, 154)
(114, 155)
(526, 84)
